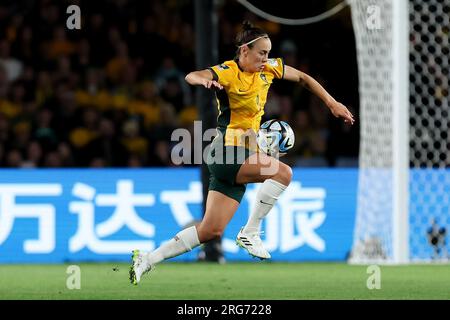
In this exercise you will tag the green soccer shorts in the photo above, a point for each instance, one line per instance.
(224, 163)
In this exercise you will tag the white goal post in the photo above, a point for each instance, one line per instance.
(403, 52)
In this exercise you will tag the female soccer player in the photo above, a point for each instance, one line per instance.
(241, 87)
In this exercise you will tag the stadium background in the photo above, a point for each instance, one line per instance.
(120, 80)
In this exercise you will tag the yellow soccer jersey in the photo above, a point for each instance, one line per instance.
(242, 99)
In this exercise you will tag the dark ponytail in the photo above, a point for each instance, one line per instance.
(248, 33)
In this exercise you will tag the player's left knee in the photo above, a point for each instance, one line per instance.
(285, 174)
(208, 234)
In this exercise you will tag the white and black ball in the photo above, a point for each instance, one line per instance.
(275, 137)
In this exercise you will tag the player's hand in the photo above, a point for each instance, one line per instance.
(211, 84)
(341, 111)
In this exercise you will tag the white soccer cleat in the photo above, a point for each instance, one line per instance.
(251, 242)
(139, 266)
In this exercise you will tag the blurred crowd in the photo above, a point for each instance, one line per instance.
(111, 93)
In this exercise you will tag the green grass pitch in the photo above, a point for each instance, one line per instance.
(237, 281)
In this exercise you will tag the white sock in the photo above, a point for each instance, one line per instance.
(184, 241)
(266, 198)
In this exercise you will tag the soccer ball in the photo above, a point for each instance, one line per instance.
(275, 137)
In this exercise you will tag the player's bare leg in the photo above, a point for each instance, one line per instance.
(219, 211)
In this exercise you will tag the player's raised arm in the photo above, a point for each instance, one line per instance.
(202, 78)
(337, 108)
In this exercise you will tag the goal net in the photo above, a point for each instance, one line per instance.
(403, 209)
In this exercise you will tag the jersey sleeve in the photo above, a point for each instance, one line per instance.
(276, 67)
(222, 73)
